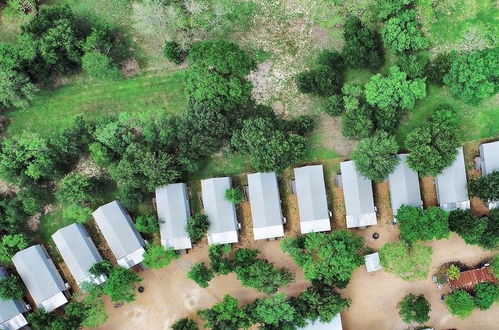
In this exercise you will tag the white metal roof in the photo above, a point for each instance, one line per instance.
(404, 186)
(11, 311)
(172, 203)
(312, 199)
(335, 324)
(265, 205)
(489, 152)
(372, 262)
(220, 212)
(451, 184)
(117, 228)
(41, 277)
(358, 194)
(79, 253)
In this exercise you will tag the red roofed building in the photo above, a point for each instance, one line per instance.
(468, 279)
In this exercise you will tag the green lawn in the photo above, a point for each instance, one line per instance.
(56, 108)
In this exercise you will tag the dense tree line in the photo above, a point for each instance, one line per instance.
(483, 231)
(417, 224)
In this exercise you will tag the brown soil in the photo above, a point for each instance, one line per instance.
(428, 191)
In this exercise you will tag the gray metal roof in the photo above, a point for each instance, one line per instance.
(311, 193)
(451, 184)
(9, 309)
(335, 324)
(265, 202)
(372, 262)
(38, 273)
(404, 186)
(358, 194)
(489, 152)
(117, 228)
(172, 204)
(221, 213)
(78, 251)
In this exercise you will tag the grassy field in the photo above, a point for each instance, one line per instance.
(56, 108)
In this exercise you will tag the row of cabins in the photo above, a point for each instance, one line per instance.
(49, 291)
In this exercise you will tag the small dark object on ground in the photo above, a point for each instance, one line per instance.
(375, 235)
(118, 305)
(141, 289)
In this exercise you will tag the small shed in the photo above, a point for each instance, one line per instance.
(358, 195)
(335, 324)
(41, 278)
(489, 155)
(265, 205)
(79, 253)
(172, 203)
(117, 228)
(404, 186)
(372, 262)
(12, 311)
(220, 212)
(312, 199)
(451, 185)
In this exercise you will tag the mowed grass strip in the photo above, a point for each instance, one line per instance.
(57, 108)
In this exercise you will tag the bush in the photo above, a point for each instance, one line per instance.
(77, 213)
(100, 66)
(486, 294)
(197, 226)
(103, 267)
(234, 195)
(220, 263)
(156, 257)
(388, 8)
(485, 187)
(453, 272)
(362, 49)
(333, 105)
(76, 188)
(321, 81)
(331, 59)
(417, 224)
(494, 265)
(483, 231)
(410, 263)
(414, 65)
(225, 315)
(33, 197)
(200, 274)
(16, 90)
(100, 154)
(147, 224)
(174, 52)
(261, 275)
(401, 33)
(185, 324)
(120, 285)
(460, 303)
(10, 245)
(438, 68)
(272, 311)
(11, 287)
(414, 309)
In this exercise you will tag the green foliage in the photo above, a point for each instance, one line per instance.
(432, 146)
(401, 33)
(460, 303)
(103, 267)
(174, 52)
(185, 324)
(330, 258)
(147, 224)
(40, 319)
(376, 157)
(120, 285)
(33, 197)
(411, 263)
(486, 294)
(234, 195)
(200, 274)
(482, 231)
(422, 225)
(197, 226)
(331, 59)
(494, 265)
(414, 309)
(96, 314)
(156, 257)
(271, 311)
(76, 188)
(362, 49)
(11, 287)
(333, 105)
(12, 216)
(358, 120)
(453, 272)
(414, 65)
(100, 154)
(485, 187)
(474, 76)
(320, 302)
(261, 275)
(16, 90)
(100, 66)
(217, 74)
(10, 245)
(438, 68)
(388, 8)
(225, 315)
(321, 81)
(220, 263)
(77, 213)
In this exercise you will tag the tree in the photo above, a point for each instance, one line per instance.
(376, 157)
(388, 8)
(174, 52)
(100, 154)
(77, 213)
(225, 315)
(11, 287)
(411, 263)
(156, 257)
(453, 272)
(401, 33)
(474, 76)
(395, 90)
(460, 303)
(147, 224)
(120, 285)
(96, 314)
(333, 105)
(103, 267)
(40, 319)
(490, 237)
(330, 258)
(414, 65)
(10, 245)
(483, 231)
(321, 81)
(438, 68)
(272, 310)
(433, 146)
(197, 226)
(319, 302)
(414, 309)
(100, 66)
(358, 119)
(362, 48)
(76, 188)
(485, 187)
(33, 198)
(16, 90)
(261, 275)
(220, 263)
(486, 294)
(200, 274)
(185, 324)
(417, 224)
(331, 59)
(494, 265)
(12, 216)
(234, 195)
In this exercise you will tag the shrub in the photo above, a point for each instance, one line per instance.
(156, 257)
(185, 324)
(414, 309)
(453, 272)
(77, 213)
(147, 224)
(76, 188)
(401, 33)
(321, 81)
(438, 68)
(16, 90)
(460, 303)
(414, 65)
(263, 276)
(103, 267)
(174, 52)
(411, 263)
(234, 195)
(331, 59)
(10, 245)
(388, 8)
(200, 274)
(225, 315)
(494, 265)
(100, 66)
(362, 49)
(197, 226)
(486, 294)
(120, 285)
(33, 198)
(11, 287)
(424, 225)
(220, 263)
(100, 154)
(333, 105)
(272, 311)
(485, 187)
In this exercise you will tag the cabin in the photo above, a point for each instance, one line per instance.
(451, 185)
(372, 262)
(41, 278)
(172, 205)
(404, 186)
(221, 213)
(263, 192)
(312, 199)
(489, 162)
(335, 324)
(12, 311)
(116, 226)
(79, 253)
(358, 195)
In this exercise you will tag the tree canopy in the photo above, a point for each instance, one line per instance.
(414, 309)
(157, 257)
(486, 294)
(423, 225)
(485, 187)
(120, 284)
(401, 33)
(483, 231)
(225, 315)
(197, 226)
(460, 303)
(411, 263)
(362, 48)
(11, 287)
